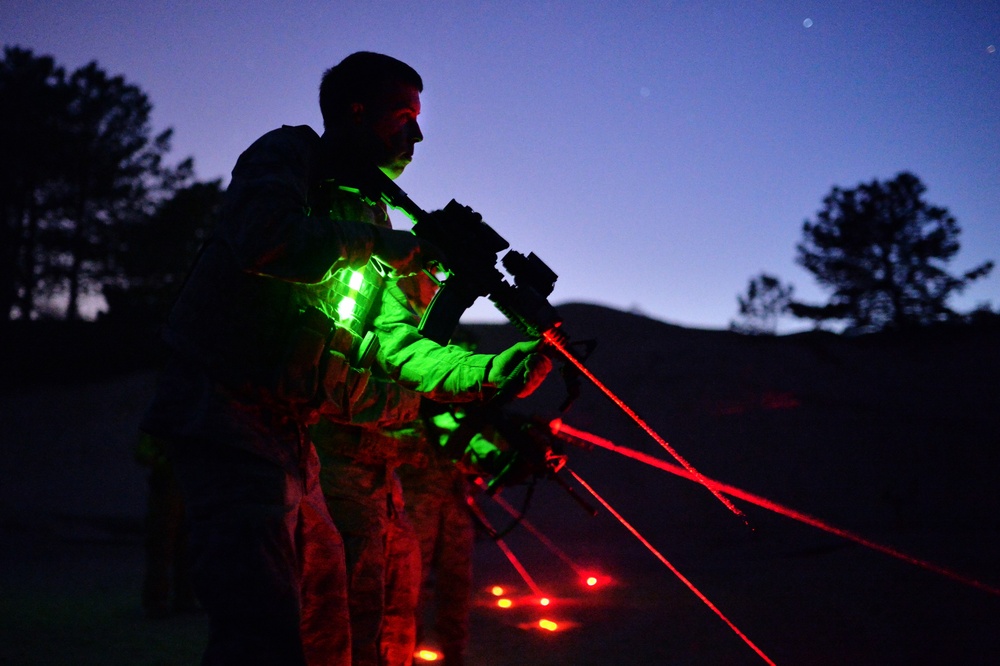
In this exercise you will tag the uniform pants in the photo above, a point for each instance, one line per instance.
(446, 532)
(383, 559)
(267, 562)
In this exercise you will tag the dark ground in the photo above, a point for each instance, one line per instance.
(895, 438)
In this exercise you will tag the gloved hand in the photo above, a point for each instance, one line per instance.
(403, 252)
(521, 368)
(510, 468)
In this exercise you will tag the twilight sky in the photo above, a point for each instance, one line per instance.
(656, 155)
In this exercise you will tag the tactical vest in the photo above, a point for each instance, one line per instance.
(254, 332)
(349, 297)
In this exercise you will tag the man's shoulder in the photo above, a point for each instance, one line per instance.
(303, 132)
(290, 135)
(287, 136)
(288, 142)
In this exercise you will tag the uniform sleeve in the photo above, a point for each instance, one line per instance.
(266, 216)
(444, 373)
(483, 449)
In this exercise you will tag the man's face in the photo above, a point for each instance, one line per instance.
(390, 121)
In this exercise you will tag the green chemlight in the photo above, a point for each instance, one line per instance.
(345, 309)
(349, 303)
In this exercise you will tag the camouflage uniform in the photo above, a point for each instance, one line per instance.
(252, 365)
(359, 479)
(437, 491)
(363, 495)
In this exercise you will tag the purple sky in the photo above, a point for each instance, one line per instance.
(656, 156)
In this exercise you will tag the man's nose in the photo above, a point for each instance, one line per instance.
(415, 132)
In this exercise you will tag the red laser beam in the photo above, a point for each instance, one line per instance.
(508, 553)
(526, 524)
(558, 427)
(552, 338)
(698, 593)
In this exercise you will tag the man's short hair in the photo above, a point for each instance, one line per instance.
(359, 78)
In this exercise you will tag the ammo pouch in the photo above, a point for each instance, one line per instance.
(328, 368)
(311, 336)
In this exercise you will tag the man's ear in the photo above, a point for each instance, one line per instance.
(357, 112)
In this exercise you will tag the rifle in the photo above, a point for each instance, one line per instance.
(537, 452)
(531, 451)
(471, 248)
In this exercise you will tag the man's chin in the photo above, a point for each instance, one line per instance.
(394, 170)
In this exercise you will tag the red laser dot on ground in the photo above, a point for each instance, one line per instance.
(544, 601)
(591, 581)
(426, 655)
(548, 625)
(496, 591)
(504, 603)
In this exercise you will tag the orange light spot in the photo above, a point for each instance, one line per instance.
(496, 590)
(544, 601)
(548, 625)
(504, 603)
(426, 655)
(591, 581)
